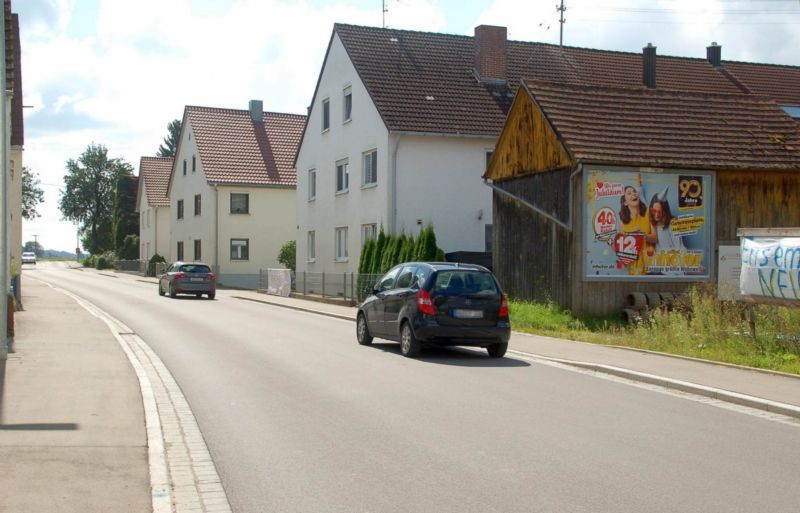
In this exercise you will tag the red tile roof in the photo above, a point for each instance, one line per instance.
(235, 150)
(657, 128)
(408, 73)
(155, 172)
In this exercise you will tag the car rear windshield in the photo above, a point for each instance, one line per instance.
(194, 268)
(459, 282)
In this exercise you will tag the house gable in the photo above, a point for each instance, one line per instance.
(528, 144)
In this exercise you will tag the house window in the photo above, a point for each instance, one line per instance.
(197, 204)
(312, 246)
(180, 250)
(368, 232)
(240, 249)
(184, 167)
(326, 114)
(369, 176)
(312, 184)
(180, 209)
(194, 163)
(198, 254)
(342, 176)
(347, 104)
(489, 154)
(341, 244)
(240, 203)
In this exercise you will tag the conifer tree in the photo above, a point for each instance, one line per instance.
(366, 256)
(375, 265)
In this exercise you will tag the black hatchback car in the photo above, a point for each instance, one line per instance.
(438, 304)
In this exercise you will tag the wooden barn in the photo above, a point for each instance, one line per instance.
(599, 192)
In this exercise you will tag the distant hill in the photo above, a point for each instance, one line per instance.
(52, 253)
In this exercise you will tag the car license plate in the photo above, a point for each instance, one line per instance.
(196, 279)
(467, 314)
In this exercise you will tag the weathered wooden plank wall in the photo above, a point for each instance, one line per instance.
(531, 252)
(755, 199)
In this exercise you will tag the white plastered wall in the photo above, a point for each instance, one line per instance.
(321, 150)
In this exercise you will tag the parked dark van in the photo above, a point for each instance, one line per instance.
(437, 304)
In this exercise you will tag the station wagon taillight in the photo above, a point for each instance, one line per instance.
(180, 276)
(503, 306)
(424, 302)
(212, 276)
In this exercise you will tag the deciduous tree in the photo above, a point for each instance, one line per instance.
(88, 196)
(32, 194)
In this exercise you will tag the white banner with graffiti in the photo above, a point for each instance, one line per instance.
(771, 267)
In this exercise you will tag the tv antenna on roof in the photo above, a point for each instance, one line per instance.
(561, 22)
(384, 10)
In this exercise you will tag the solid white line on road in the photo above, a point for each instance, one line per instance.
(182, 474)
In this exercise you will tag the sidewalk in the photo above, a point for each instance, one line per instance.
(721, 381)
(72, 428)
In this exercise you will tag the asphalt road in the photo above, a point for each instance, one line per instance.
(300, 418)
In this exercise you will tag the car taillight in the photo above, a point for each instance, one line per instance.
(424, 302)
(503, 306)
(212, 276)
(180, 276)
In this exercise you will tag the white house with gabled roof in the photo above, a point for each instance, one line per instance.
(152, 204)
(232, 190)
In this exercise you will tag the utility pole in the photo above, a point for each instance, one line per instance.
(384, 10)
(561, 22)
(36, 245)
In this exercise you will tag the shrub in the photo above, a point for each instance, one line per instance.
(102, 263)
(130, 248)
(151, 264)
(288, 254)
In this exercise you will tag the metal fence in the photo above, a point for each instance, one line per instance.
(353, 287)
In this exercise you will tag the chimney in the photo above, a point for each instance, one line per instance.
(256, 108)
(714, 54)
(649, 66)
(490, 52)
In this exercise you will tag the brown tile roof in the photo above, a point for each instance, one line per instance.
(779, 82)
(235, 150)
(155, 173)
(658, 128)
(403, 69)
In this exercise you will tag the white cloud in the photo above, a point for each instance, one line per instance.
(143, 61)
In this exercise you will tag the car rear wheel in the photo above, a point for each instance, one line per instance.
(160, 289)
(211, 295)
(362, 331)
(198, 295)
(172, 292)
(497, 350)
(409, 345)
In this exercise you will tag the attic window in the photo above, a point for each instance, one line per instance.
(429, 98)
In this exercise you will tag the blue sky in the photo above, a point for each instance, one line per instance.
(115, 72)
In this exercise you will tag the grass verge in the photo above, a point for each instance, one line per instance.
(706, 328)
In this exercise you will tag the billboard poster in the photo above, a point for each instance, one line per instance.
(647, 225)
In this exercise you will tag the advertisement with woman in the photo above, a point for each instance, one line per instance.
(647, 225)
